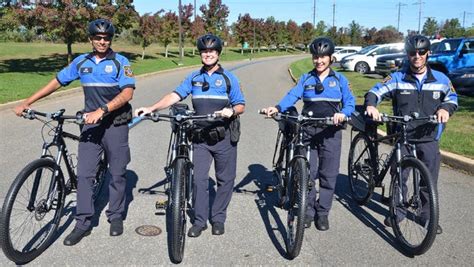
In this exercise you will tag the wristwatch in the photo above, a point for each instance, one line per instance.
(105, 108)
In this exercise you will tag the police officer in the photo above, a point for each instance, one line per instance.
(108, 84)
(325, 93)
(213, 90)
(418, 88)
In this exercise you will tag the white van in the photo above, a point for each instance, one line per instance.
(365, 60)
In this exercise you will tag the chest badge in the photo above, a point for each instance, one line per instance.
(218, 83)
(86, 70)
(109, 68)
(436, 95)
(405, 92)
(332, 84)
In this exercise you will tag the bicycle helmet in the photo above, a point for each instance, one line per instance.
(209, 41)
(322, 47)
(101, 26)
(417, 42)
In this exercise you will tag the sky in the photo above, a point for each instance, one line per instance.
(368, 13)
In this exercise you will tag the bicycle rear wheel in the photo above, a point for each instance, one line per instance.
(361, 169)
(414, 207)
(32, 211)
(297, 204)
(177, 210)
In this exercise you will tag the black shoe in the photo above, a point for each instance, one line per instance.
(218, 228)
(75, 236)
(196, 230)
(116, 227)
(387, 222)
(322, 223)
(307, 221)
(439, 230)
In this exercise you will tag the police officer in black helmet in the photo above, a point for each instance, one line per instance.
(213, 90)
(108, 84)
(325, 93)
(418, 88)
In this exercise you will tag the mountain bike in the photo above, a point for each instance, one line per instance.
(291, 159)
(179, 172)
(34, 203)
(411, 187)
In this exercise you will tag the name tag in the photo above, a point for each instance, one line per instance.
(310, 87)
(86, 70)
(405, 92)
(198, 84)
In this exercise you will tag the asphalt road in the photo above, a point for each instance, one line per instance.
(254, 229)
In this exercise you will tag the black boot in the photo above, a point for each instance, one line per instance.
(322, 223)
(196, 230)
(75, 236)
(116, 227)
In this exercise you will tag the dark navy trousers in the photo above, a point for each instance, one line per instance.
(224, 154)
(325, 156)
(95, 140)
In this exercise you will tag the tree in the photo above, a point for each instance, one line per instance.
(452, 28)
(147, 31)
(197, 29)
(430, 28)
(370, 36)
(282, 35)
(243, 30)
(320, 29)
(215, 16)
(355, 33)
(168, 29)
(388, 34)
(307, 32)
(294, 35)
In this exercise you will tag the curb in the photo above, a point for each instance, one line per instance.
(455, 161)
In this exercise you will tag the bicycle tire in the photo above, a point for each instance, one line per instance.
(177, 210)
(361, 169)
(24, 253)
(411, 208)
(297, 204)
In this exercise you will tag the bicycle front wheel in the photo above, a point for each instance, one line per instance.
(414, 207)
(177, 210)
(361, 169)
(32, 211)
(297, 204)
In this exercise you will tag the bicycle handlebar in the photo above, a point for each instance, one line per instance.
(156, 117)
(409, 118)
(303, 119)
(58, 115)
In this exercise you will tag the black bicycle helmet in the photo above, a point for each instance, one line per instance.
(103, 26)
(322, 47)
(209, 41)
(417, 42)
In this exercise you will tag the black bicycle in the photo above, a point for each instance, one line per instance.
(34, 203)
(179, 172)
(411, 187)
(291, 169)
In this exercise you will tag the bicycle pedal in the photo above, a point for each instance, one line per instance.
(161, 204)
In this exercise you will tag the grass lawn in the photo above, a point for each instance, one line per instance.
(25, 67)
(459, 135)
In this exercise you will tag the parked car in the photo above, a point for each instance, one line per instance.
(338, 55)
(365, 60)
(452, 54)
(390, 63)
(463, 80)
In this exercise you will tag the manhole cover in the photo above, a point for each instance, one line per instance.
(148, 230)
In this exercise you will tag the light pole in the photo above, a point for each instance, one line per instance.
(180, 41)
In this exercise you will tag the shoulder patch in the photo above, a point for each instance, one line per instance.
(128, 71)
(387, 79)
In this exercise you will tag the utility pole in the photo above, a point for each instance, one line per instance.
(195, 10)
(180, 43)
(420, 3)
(399, 7)
(314, 13)
(333, 13)
(464, 18)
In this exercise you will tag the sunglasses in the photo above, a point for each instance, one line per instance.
(420, 52)
(98, 38)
